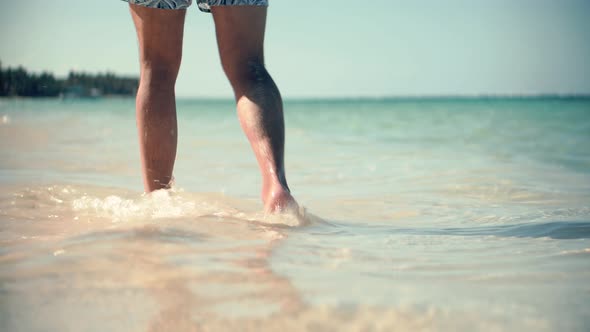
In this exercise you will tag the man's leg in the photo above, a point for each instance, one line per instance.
(159, 32)
(240, 38)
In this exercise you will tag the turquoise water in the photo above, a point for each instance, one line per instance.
(421, 214)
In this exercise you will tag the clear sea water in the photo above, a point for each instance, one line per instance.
(420, 215)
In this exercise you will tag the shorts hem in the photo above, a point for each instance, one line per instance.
(158, 4)
(203, 5)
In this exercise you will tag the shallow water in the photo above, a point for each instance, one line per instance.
(440, 214)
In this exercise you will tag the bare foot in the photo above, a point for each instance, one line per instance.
(279, 200)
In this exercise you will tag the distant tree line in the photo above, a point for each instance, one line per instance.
(19, 82)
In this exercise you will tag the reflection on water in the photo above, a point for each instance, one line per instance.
(90, 258)
(159, 269)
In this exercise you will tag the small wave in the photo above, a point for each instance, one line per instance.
(554, 230)
(584, 251)
(93, 203)
(162, 204)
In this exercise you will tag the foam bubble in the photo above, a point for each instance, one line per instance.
(290, 218)
(157, 205)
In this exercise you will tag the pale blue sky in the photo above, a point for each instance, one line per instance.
(340, 48)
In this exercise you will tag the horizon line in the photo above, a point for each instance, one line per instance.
(416, 97)
(366, 98)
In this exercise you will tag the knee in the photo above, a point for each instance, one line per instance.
(159, 72)
(246, 72)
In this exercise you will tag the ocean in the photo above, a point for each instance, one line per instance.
(433, 214)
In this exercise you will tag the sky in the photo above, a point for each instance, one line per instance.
(345, 48)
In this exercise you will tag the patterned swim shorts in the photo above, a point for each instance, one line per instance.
(204, 5)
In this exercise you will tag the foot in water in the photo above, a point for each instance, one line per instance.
(279, 200)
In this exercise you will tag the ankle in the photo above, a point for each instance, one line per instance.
(278, 199)
(272, 187)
